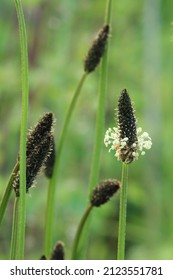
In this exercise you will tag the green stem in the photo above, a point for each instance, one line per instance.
(7, 192)
(23, 133)
(79, 232)
(53, 180)
(122, 213)
(14, 230)
(100, 118)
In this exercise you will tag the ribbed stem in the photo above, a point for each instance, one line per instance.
(122, 213)
(53, 180)
(7, 192)
(79, 232)
(20, 235)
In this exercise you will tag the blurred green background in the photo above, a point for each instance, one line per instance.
(141, 60)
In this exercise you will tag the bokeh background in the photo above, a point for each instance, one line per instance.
(141, 60)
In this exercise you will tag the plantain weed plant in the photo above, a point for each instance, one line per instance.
(96, 52)
(128, 142)
(37, 149)
(20, 202)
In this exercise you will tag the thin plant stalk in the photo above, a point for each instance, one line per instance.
(14, 230)
(20, 232)
(100, 118)
(122, 213)
(79, 232)
(52, 184)
(7, 192)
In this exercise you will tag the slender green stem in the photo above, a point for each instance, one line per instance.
(108, 12)
(122, 213)
(79, 232)
(100, 118)
(53, 180)
(14, 230)
(7, 192)
(20, 235)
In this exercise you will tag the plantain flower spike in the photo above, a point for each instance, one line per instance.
(36, 134)
(105, 190)
(126, 139)
(39, 145)
(96, 50)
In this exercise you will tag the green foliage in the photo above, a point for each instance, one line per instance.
(59, 34)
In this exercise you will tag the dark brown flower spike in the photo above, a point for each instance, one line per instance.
(104, 192)
(58, 252)
(96, 50)
(49, 163)
(127, 140)
(34, 163)
(41, 129)
(37, 150)
(126, 128)
(126, 118)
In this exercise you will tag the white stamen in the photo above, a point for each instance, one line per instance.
(112, 138)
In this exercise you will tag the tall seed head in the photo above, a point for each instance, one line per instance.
(127, 140)
(96, 50)
(34, 163)
(36, 134)
(37, 150)
(126, 128)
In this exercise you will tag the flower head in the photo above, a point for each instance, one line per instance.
(38, 149)
(127, 140)
(104, 191)
(96, 50)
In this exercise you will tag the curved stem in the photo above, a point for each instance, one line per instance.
(53, 180)
(7, 192)
(23, 132)
(79, 232)
(122, 213)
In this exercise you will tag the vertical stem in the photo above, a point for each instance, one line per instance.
(122, 213)
(53, 180)
(100, 118)
(108, 12)
(79, 232)
(20, 235)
